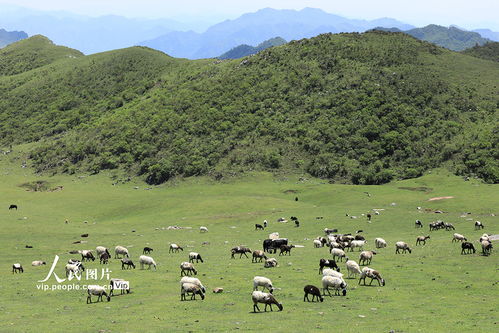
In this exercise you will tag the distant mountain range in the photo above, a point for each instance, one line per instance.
(253, 28)
(487, 33)
(246, 50)
(452, 38)
(8, 37)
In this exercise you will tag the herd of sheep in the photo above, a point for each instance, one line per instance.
(341, 247)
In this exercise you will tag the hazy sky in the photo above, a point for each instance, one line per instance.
(468, 14)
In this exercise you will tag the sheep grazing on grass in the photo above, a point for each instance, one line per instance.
(187, 268)
(318, 243)
(458, 238)
(418, 224)
(127, 262)
(327, 263)
(98, 291)
(314, 291)
(118, 283)
(353, 268)
(360, 238)
(449, 226)
(286, 249)
(120, 251)
(147, 250)
(402, 246)
(259, 227)
(87, 255)
(193, 280)
(38, 263)
(467, 247)
(486, 247)
(380, 243)
(484, 237)
(372, 274)
(17, 268)
(366, 257)
(218, 290)
(332, 272)
(328, 231)
(271, 262)
(479, 225)
(260, 281)
(74, 269)
(357, 244)
(264, 298)
(239, 250)
(145, 260)
(203, 229)
(338, 253)
(100, 250)
(195, 256)
(104, 258)
(258, 256)
(192, 289)
(175, 248)
(422, 239)
(333, 282)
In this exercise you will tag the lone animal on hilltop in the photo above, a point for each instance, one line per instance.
(13, 207)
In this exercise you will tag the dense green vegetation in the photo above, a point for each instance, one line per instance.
(420, 287)
(246, 50)
(35, 52)
(489, 51)
(361, 108)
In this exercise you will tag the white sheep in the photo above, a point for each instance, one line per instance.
(264, 298)
(74, 269)
(484, 237)
(366, 257)
(187, 268)
(317, 243)
(353, 268)
(203, 229)
(121, 250)
(260, 281)
(17, 267)
(193, 280)
(334, 282)
(373, 274)
(190, 288)
(38, 263)
(486, 247)
(274, 235)
(380, 243)
(175, 248)
(270, 262)
(114, 282)
(331, 272)
(338, 253)
(402, 246)
(100, 250)
(146, 260)
(96, 291)
(357, 243)
(458, 238)
(195, 256)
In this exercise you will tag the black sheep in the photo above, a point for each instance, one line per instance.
(327, 263)
(467, 247)
(314, 291)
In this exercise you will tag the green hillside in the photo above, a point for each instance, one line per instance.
(31, 53)
(246, 50)
(489, 51)
(451, 38)
(362, 108)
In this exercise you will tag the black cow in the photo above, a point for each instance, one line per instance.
(271, 245)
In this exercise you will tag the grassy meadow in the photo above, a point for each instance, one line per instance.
(434, 289)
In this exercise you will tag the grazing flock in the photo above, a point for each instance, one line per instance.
(341, 248)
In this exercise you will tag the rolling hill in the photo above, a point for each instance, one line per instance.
(489, 51)
(246, 50)
(451, 38)
(360, 108)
